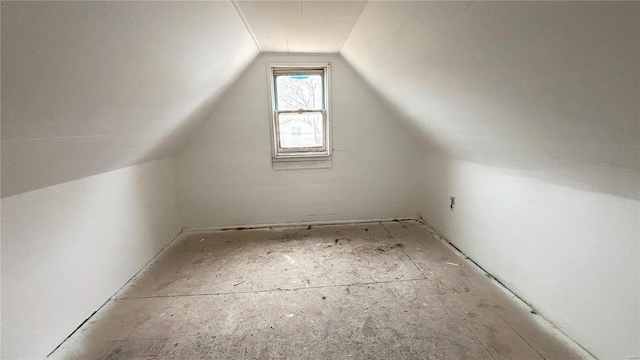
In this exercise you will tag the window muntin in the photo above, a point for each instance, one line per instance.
(300, 117)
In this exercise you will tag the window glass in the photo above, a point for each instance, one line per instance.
(299, 91)
(303, 130)
(300, 115)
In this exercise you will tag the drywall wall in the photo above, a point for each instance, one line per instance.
(93, 86)
(225, 175)
(67, 248)
(540, 101)
(549, 88)
(573, 254)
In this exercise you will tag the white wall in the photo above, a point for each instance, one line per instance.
(93, 86)
(225, 176)
(572, 254)
(67, 248)
(549, 88)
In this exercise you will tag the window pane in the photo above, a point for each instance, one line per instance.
(295, 92)
(301, 130)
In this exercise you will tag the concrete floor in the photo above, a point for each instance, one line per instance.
(388, 290)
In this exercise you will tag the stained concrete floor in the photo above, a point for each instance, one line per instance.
(390, 290)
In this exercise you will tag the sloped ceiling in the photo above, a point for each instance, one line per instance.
(88, 87)
(545, 88)
(301, 26)
(548, 89)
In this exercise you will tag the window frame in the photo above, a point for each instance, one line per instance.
(309, 155)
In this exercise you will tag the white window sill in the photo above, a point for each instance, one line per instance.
(307, 162)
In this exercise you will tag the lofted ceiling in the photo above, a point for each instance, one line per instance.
(301, 26)
(548, 89)
(89, 87)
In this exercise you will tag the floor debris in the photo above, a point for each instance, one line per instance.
(399, 303)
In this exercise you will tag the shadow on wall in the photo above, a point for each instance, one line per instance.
(55, 167)
(549, 162)
(546, 90)
(130, 85)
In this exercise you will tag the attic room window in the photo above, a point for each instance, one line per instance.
(300, 116)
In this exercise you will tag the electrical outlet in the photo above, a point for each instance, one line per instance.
(452, 202)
